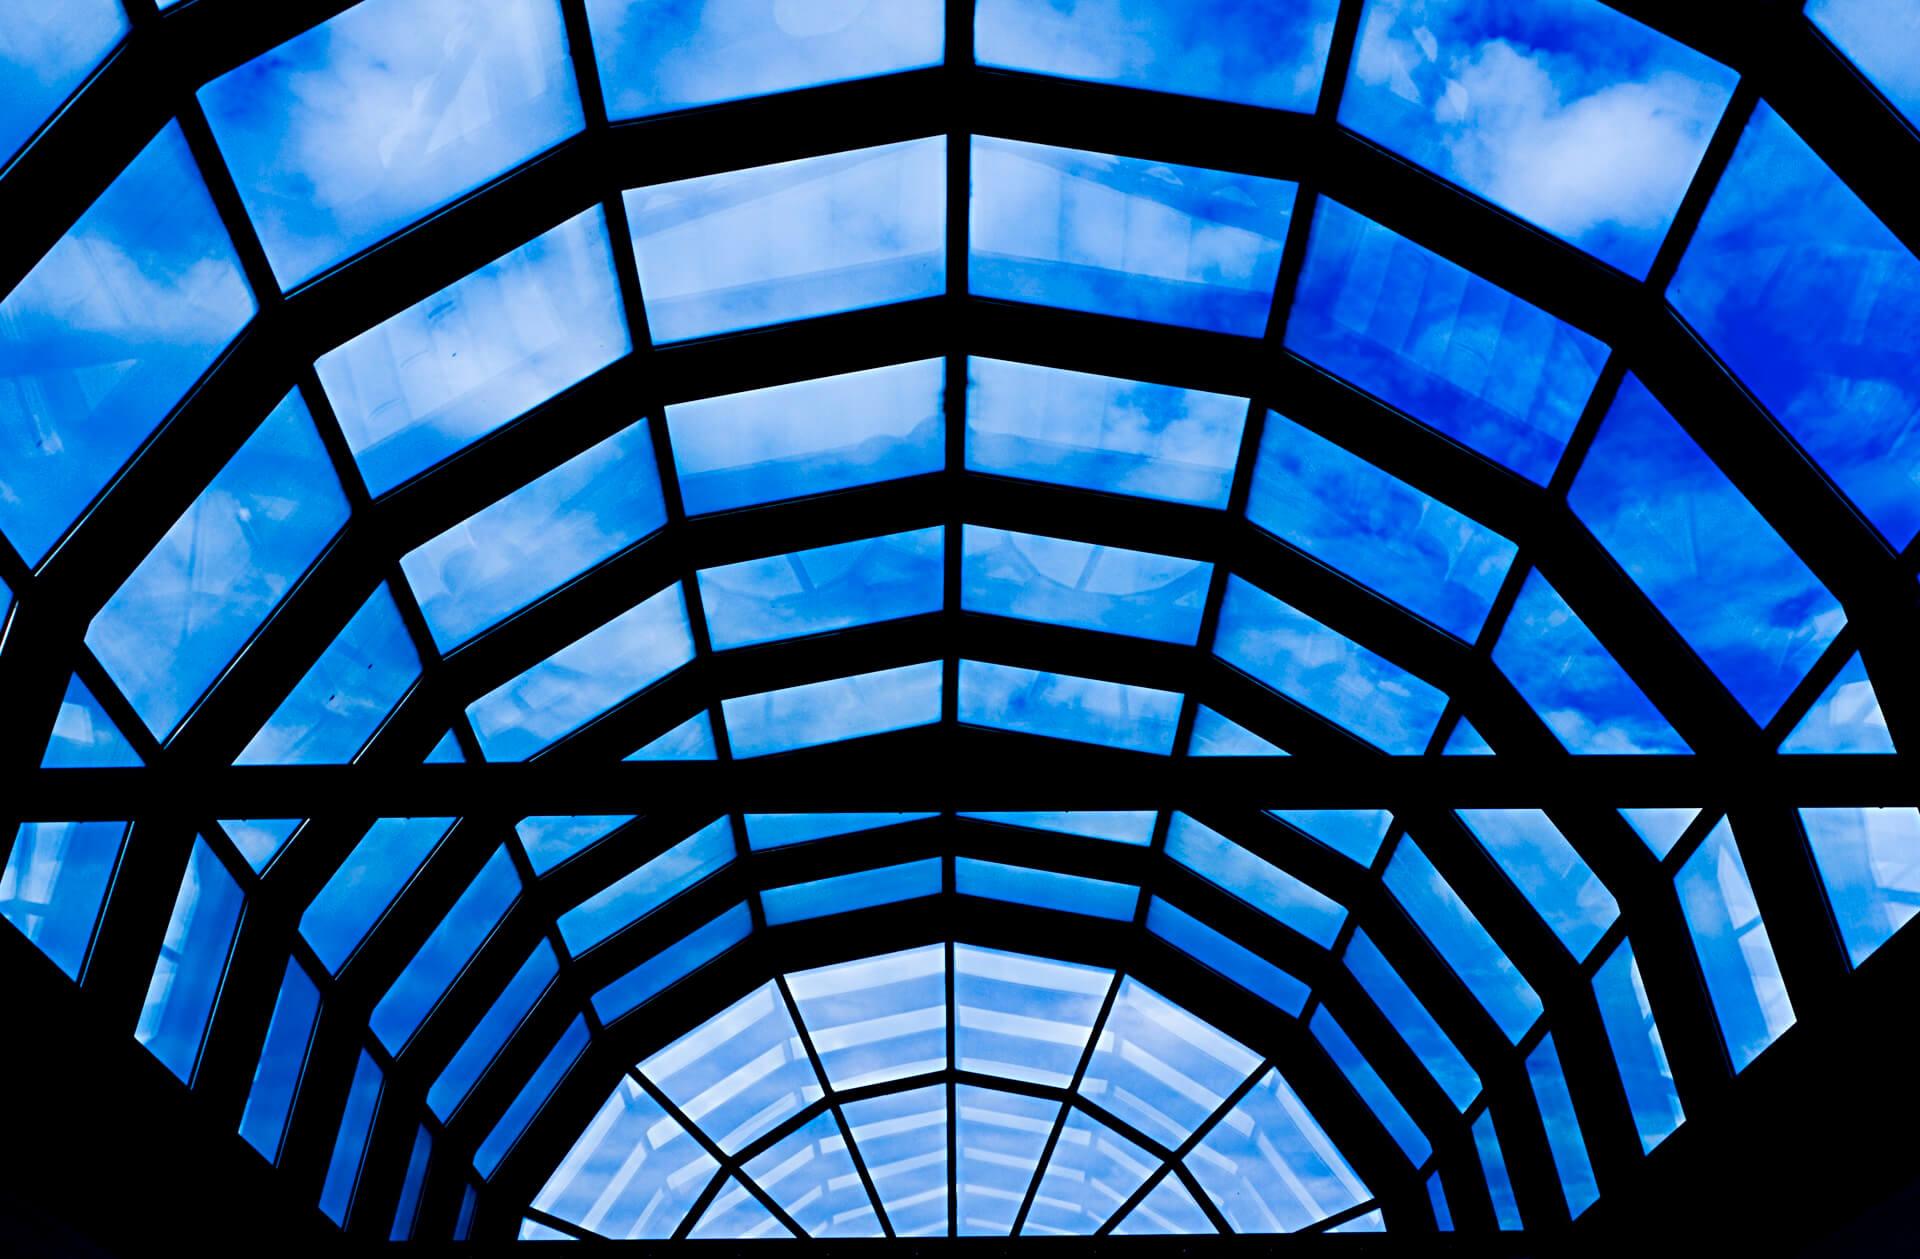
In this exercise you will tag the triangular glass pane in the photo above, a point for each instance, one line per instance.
(1168, 1211)
(1660, 828)
(1000, 1137)
(880, 1019)
(811, 1176)
(903, 1139)
(1355, 833)
(260, 839)
(1466, 741)
(1846, 717)
(551, 840)
(1270, 1167)
(84, 737)
(447, 751)
(1091, 1174)
(736, 1215)
(1371, 1222)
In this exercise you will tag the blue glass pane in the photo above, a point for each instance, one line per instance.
(193, 957)
(447, 751)
(432, 970)
(508, 1011)
(1326, 671)
(408, 1208)
(633, 1173)
(826, 588)
(1411, 1018)
(368, 881)
(883, 1018)
(673, 963)
(373, 119)
(84, 737)
(660, 55)
(1255, 54)
(1270, 1168)
(1080, 584)
(1123, 236)
(1711, 563)
(1846, 717)
(1371, 1222)
(1879, 36)
(902, 1138)
(778, 830)
(1216, 952)
(105, 335)
(691, 740)
(346, 695)
(1136, 718)
(1783, 236)
(350, 1140)
(1119, 828)
(639, 893)
(842, 708)
(1260, 883)
(1870, 862)
(46, 53)
(999, 1138)
(1493, 1163)
(1045, 889)
(1637, 1049)
(1496, 99)
(719, 253)
(1466, 741)
(282, 1058)
(1437, 1194)
(736, 1214)
(539, 1086)
(809, 1173)
(1660, 829)
(1457, 935)
(1092, 1170)
(1353, 833)
(1372, 1089)
(1214, 735)
(740, 1073)
(1549, 873)
(1375, 528)
(810, 437)
(1438, 342)
(1159, 1068)
(1571, 680)
(259, 840)
(844, 893)
(1102, 433)
(55, 882)
(1568, 1147)
(551, 840)
(537, 538)
(1743, 977)
(1167, 1211)
(1024, 1018)
(584, 679)
(193, 602)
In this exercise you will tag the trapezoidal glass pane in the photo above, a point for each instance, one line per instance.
(1560, 886)
(363, 886)
(1879, 37)
(691, 740)
(1134, 829)
(637, 894)
(1079, 584)
(844, 893)
(782, 830)
(1869, 860)
(673, 963)
(811, 1175)
(1355, 834)
(1564, 1140)
(1045, 889)
(193, 959)
(350, 1140)
(1736, 957)
(999, 1138)
(632, 1173)
(283, 1058)
(1637, 1049)
(46, 52)
(825, 588)
(548, 841)
(1086, 710)
(346, 696)
(1411, 1018)
(1023, 1018)
(55, 882)
(739, 1074)
(902, 1138)
(1493, 1165)
(879, 1019)
(1226, 957)
(1216, 735)
(484, 1043)
(840, 708)
(1093, 1170)
(1270, 1167)
(532, 1096)
(1159, 1068)
(1458, 936)
(1261, 884)
(1372, 1089)
(439, 961)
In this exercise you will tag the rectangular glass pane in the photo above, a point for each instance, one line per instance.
(826, 588)
(483, 1044)
(1411, 1018)
(1561, 887)
(193, 959)
(1061, 582)
(1024, 1018)
(1637, 1048)
(672, 964)
(1218, 953)
(1494, 1164)
(55, 882)
(1045, 889)
(538, 1088)
(350, 1140)
(1568, 1147)
(432, 970)
(1736, 958)
(644, 890)
(1059, 706)
(346, 696)
(1265, 886)
(1457, 935)
(276, 1078)
(1870, 862)
(844, 893)
(366, 883)
(1372, 1089)
(840, 708)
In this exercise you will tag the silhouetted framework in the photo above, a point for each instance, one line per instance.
(1737, 772)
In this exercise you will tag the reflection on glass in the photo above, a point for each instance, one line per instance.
(282, 1059)
(55, 882)
(1736, 958)
(1561, 887)
(645, 889)
(877, 1019)
(508, 1011)
(1045, 889)
(810, 1174)
(1869, 860)
(842, 708)
(1216, 952)
(1113, 714)
(432, 970)
(672, 964)
(1637, 1049)
(826, 588)
(345, 696)
(1568, 1147)
(1061, 582)
(1260, 883)
(193, 958)
(1453, 930)
(633, 1173)
(366, 883)
(1270, 1166)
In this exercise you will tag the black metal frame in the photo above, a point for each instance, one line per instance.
(151, 79)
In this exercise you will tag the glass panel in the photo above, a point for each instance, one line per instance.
(1092, 1171)
(1372, 1089)
(1660, 829)
(366, 883)
(842, 708)
(1494, 1164)
(1437, 1194)
(1572, 682)
(432, 970)
(1270, 1167)
(1266, 54)
(691, 740)
(1135, 829)
(1123, 236)
(1637, 1048)
(106, 334)
(1056, 705)
(1549, 873)
(811, 1176)
(193, 957)
(903, 1141)
(447, 751)
(350, 1140)
(1879, 36)
(845, 893)
(817, 236)
(673, 963)
(1168, 1211)
(584, 679)
(1159, 1068)
(1100, 433)
(1023, 1018)
(1707, 559)
(535, 1231)
(826, 588)
(1258, 882)
(1353, 833)
(283, 1057)
(884, 1018)
(1466, 741)
(1061, 582)
(537, 538)
(633, 1172)
(1783, 236)
(539, 1087)
(1045, 889)
(1736, 958)
(810, 437)
(644, 890)
(551, 840)
(1326, 671)
(656, 56)
(780, 830)
(377, 117)
(193, 602)
(1214, 735)
(483, 1044)
(739, 1074)
(463, 1222)
(347, 694)
(1454, 932)
(55, 882)
(1438, 342)
(1371, 1222)
(1569, 1148)
(737, 1215)
(999, 1138)
(1869, 860)
(1846, 717)
(1375, 528)
(45, 54)
(1411, 1018)
(1218, 953)
(1495, 100)
(405, 1211)
(84, 737)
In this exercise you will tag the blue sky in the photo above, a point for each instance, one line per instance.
(46, 51)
